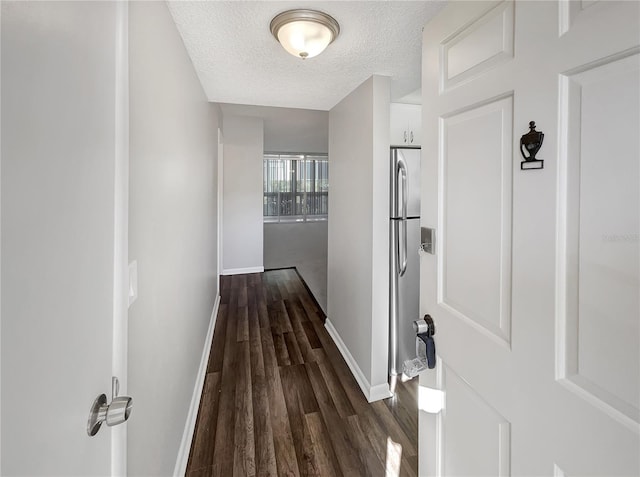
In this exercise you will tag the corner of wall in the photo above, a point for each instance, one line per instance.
(380, 231)
(371, 393)
(217, 112)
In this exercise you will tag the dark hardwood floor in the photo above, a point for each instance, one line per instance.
(279, 399)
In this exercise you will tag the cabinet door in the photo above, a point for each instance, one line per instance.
(399, 134)
(414, 122)
(406, 120)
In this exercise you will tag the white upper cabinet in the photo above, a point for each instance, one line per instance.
(406, 122)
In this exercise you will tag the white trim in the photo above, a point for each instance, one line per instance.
(557, 471)
(190, 425)
(121, 229)
(378, 392)
(372, 393)
(0, 261)
(220, 201)
(240, 271)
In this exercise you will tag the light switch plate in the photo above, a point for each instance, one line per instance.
(133, 282)
(428, 240)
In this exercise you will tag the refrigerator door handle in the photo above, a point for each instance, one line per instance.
(402, 241)
(403, 247)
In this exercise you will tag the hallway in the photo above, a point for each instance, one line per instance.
(279, 399)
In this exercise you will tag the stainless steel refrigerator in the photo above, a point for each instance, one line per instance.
(404, 283)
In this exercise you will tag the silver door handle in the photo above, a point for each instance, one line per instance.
(402, 242)
(117, 412)
(402, 170)
(403, 248)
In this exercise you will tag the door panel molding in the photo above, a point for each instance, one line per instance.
(492, 444)
(478, 231)
(586, 363)
(478, 46)
(569, 10)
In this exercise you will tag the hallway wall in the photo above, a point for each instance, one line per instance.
(358, 257)
(287, 129)
(242, 195)
(172, 234)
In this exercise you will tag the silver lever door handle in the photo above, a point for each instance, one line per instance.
(117, 412)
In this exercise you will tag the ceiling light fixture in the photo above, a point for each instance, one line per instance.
(304, 33)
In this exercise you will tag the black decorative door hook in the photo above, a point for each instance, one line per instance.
(531, 143)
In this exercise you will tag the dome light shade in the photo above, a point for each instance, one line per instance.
(304, 33)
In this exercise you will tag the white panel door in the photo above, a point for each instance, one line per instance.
(535, 284)
(64, 233)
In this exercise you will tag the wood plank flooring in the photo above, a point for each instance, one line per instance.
(278, 398)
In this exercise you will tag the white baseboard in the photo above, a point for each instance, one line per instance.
(240, 271)
(190, 426)
(380, 391)
(372, 393)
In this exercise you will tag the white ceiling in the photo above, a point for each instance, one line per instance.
(239, 61)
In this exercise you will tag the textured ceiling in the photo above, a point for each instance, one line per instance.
(238, 60)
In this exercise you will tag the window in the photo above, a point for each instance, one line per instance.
(296, 187)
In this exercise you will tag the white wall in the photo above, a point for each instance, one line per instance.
(358, 284)
(380, 232)
(302, 245)
(242, 233)
(299, 130)
(287, 129)
(172, 234)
